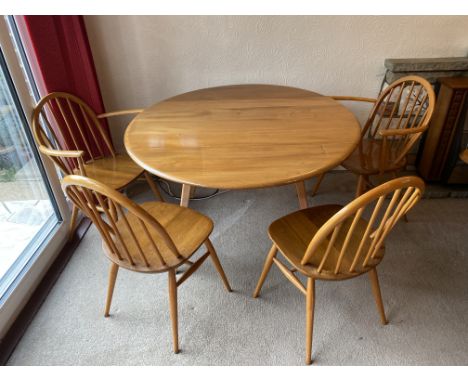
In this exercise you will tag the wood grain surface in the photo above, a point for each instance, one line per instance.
(242, 136)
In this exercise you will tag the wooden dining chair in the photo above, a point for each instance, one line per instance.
(397, 120)
(153, 237)
(80, 145)
(333, 242)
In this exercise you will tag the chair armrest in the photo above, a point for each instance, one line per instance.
(61, 153)
(76, 154)
(393, 132)
(119, 112)
(351, 98)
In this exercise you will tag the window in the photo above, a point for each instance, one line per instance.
(33, 210)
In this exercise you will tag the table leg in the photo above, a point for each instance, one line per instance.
(185, 196)
(301, 194)
(184, 202)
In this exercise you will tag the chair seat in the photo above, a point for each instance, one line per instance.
(293, 233)
(116, 172)
(365, 159)
(187, 228)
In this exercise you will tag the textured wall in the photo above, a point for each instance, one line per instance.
(143, 59)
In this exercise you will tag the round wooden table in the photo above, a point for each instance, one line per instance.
(242, 136)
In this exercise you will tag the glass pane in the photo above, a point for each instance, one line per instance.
(25, 203)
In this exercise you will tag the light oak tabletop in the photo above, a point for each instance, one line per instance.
(242, 136)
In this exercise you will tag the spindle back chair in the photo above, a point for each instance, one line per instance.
(401, 114)
(332, 242)
(124, 242)
(398, 118)
(153, 237)
(78, 131)
(70, 133)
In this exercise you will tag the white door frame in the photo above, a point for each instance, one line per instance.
(23, 287)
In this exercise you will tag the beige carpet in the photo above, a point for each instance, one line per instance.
(424, 281)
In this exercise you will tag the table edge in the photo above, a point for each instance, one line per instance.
(290, 180)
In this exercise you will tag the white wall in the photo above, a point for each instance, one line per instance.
(143, 59)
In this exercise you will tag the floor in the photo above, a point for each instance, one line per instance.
(423, 280)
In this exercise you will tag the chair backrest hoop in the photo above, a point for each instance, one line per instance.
(93, 197)
(399, 117)
(400, 203)
(64, 122)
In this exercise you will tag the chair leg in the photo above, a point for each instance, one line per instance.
(310, 302)
(217, 264)
(173, 309)
(266, 269)
(153, 186)
(114, 269)
(72, 227)
(377, 295)
(317, 183)
(360, 186)
(302, 194)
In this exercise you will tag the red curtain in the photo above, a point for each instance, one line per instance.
(60, 57)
